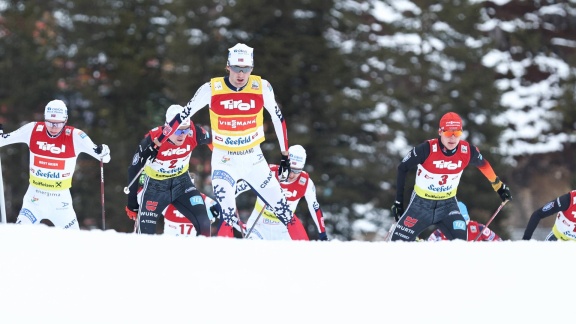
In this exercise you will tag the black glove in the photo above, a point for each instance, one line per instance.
(98, 148)
(323, 236)
(153, 151)
(103, 151)
(504, 192)
(397, 210)
(215, 210)
(284, 168)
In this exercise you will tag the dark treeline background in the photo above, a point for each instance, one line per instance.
(356, 104)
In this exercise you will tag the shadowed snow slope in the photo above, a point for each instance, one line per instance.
(49, 275)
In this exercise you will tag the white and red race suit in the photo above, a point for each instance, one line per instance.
(268, 226)
(52, 165)
(474, 229)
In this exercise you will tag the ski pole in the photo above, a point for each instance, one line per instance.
(127, 189)
(102, 194)
(240, 223)
(491, 218)
(137, 223)
(388, 236)
(256, 221)
(3, 202)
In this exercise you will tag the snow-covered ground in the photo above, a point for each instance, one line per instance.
(49, 275)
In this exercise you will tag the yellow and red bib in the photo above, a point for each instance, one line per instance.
(236, 117)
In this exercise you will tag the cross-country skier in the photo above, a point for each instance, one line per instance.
(167, 180)
(439, 163)
(54, 148)
(564, 229)
(298, 185)
(236, 103)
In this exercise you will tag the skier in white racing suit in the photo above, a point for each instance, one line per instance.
(236, 103)
(298, 185)
(54, 148)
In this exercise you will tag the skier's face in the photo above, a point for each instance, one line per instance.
(450, 139)
(294, 174)
(239, 75)
(54, 126)
(180, 135)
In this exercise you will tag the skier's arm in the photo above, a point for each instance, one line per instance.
(200, 100)
(314, 206)
(83, 143)
(278, 120)
(21, 135)
(138, 161)
(416, 156)
(484, 166)
(551, 208)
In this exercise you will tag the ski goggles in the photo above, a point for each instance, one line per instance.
(238, 69)
(296, 171)
(456, 133)
(180, 132)
(57, 124)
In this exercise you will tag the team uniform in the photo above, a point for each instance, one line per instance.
(474, 229)
(438, 173)
(268, 226)
(52, 165)
(564, 229)
(236, 116)
(176, 224)
(167, 180)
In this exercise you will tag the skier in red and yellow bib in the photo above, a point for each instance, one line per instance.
(439, 163)
(237, 104)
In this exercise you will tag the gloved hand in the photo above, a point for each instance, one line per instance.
(103, 151)
(397, 210)
(132, 213)
(504, 192)
(153, 151)
(323, 236)
(284, 168)
(502, 189)
(215, 210)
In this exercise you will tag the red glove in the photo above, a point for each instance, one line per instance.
(132, 214)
